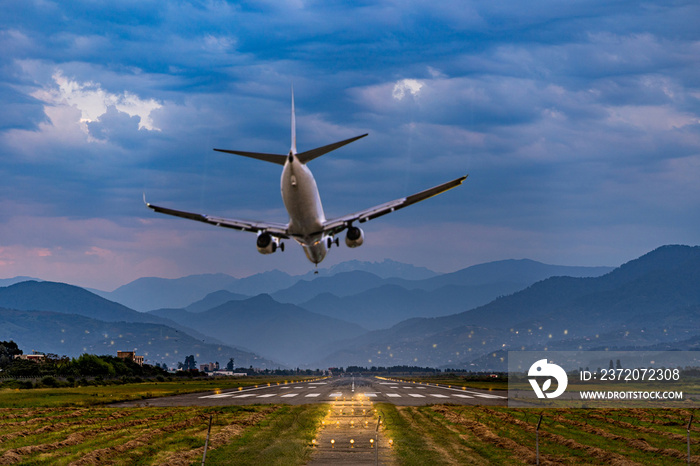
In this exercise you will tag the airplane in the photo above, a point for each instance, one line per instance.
(307, 225)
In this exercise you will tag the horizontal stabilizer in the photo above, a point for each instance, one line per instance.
(319, 151)
(274, 158)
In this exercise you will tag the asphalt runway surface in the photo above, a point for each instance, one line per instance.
(374, 389)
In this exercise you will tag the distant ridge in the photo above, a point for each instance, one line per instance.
(151, 293)
(384, 269)
(12, 281)
(73, 335)
(283, 332)
(67, 320)
(652, 300)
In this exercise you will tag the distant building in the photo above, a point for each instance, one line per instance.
(228, 374)
(31, 357)
(209, 367)
(130, 355)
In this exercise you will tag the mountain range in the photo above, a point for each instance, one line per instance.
(354, 316)
(68, 320)
(648, 301)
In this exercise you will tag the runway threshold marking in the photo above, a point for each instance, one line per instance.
(462, 390)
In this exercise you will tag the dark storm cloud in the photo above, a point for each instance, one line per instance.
(578, 121)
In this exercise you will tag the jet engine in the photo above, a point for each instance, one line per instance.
(354, 237)
(267, 244)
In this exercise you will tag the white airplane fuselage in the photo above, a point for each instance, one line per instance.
(303, 204)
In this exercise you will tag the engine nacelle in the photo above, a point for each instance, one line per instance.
(354, 237)
(267, 244)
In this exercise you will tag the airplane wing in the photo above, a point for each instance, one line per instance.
(275, 229)
(337, 225)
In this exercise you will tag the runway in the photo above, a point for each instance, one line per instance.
(374, 389)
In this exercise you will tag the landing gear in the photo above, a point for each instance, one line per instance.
(330, 241)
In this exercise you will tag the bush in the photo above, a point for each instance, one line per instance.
(49, 381)
(24, 368)
(91, 365)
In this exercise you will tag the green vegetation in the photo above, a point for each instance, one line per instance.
(101, 395)
(248, 434)
(282, 438)
(120, 436)
(273, 434)
(445, 434)
(57, 370)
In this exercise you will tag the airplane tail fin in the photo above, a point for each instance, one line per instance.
(293, 149)
(303, 157)
(319, 151)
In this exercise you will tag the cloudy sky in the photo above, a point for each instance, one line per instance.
(578, 123)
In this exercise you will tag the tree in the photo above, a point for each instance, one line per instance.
(190, 364)
(230, 365)
(8, 351)
(24, 368)
(91, 365)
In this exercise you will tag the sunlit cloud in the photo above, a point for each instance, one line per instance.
(406, 86)
(93, 101)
